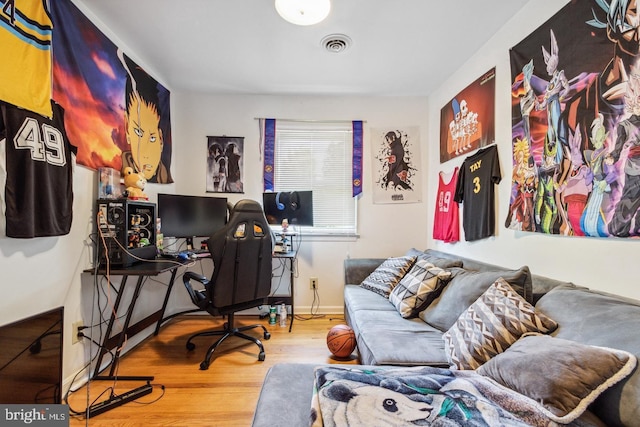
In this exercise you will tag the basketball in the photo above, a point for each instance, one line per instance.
(341, 341)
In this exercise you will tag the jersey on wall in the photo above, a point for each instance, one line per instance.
(25, 44)
(476, 190)
(38, 189)
(446, 222)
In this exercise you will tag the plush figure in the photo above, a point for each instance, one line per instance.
(134, 183)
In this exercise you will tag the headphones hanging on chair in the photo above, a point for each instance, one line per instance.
(294, 200)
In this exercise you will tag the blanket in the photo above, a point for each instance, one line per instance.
(417, 396)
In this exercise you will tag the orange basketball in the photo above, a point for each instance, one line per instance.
(341, 341)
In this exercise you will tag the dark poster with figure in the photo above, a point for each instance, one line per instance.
(225, 161)
(575, 123)
(116, 113)
(467, 122)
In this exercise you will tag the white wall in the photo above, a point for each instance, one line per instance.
(605, 264)
(384, 229)
(38, 274)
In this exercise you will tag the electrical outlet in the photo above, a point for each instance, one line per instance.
(75, 331)
(313, 283)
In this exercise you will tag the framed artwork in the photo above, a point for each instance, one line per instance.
(575, 114)
(225, 158)
(396, 169)
(467, 122)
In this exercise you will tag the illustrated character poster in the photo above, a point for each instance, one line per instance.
(116, 113)
(225, 164)
(576, 121)
(396, 169)
(467, 121)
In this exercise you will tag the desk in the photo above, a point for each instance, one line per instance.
(141, 271)
(287, 299)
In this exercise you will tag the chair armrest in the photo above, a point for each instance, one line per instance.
(198, 296)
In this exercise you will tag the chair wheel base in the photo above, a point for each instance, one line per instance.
(204, 366)
(261, 356)
(190, 346)
(267, 335)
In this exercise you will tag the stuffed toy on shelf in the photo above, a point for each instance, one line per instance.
(134, 183)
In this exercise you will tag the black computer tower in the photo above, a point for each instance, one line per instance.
(126, 231)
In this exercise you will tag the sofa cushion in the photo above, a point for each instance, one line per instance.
(490, 325)
(384, 278)
(418, 288)
(434, 259)
(564, 376)
(465, 287)
(601, 319)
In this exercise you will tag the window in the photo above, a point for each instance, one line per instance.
(317, 156)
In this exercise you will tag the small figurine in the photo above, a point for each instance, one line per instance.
(134, 183)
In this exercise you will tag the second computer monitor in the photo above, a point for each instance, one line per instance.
(294, 206)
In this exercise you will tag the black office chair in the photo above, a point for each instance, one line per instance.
(241, 253)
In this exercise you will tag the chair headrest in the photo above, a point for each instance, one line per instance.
(247, 206)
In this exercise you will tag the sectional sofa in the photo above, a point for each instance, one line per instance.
(388, 338)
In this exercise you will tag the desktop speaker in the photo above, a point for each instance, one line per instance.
(126, 231)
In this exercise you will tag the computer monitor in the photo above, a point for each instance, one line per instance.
(191, 216)
(295, 206)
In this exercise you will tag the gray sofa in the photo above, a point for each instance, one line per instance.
(385, 338)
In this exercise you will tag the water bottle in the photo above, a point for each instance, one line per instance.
(272, 315)
(283, 315)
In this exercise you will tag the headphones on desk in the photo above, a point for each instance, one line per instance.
(294, 201)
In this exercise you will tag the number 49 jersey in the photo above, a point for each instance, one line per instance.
(39, 173)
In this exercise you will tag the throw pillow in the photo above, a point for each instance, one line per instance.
(384, 278)
(563, 376)
(465, 287)
(490, 325)
(418, 288)
(435, 260)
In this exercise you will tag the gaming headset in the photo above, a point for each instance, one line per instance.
(294, 201)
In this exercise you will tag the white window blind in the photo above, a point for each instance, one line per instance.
(317, 156)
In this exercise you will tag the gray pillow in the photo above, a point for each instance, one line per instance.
(437, 261)
(465, 287)
(563, 376)
(490, 325)
(384, 278)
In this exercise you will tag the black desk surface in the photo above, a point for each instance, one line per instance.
(141, 268)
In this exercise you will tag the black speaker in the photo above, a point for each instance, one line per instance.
(126, 231)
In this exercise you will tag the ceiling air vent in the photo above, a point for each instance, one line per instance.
(336, 43)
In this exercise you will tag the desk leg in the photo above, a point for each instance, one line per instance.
(292, 277)
(104, 348)
(166, 300)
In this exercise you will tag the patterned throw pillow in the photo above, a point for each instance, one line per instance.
(418, 288)
(490, 325)
(387, 275)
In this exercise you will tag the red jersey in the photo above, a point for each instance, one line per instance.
(446, 223)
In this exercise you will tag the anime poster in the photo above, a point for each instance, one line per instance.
(575, 123)
(115, 113)
(396, 169)
(225, 164)
(467, 122)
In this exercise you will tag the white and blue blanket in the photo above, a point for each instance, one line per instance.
(418, 396)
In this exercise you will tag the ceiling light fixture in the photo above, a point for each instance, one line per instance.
(303, 12)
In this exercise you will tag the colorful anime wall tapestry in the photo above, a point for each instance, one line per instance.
(116, 113)
(576, 123)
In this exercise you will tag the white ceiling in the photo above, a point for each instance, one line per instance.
(400, 47)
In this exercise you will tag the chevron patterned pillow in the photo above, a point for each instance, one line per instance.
(490, 325)
(418, 288)
(384, 278)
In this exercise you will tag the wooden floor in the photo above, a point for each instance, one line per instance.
(224, 395)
